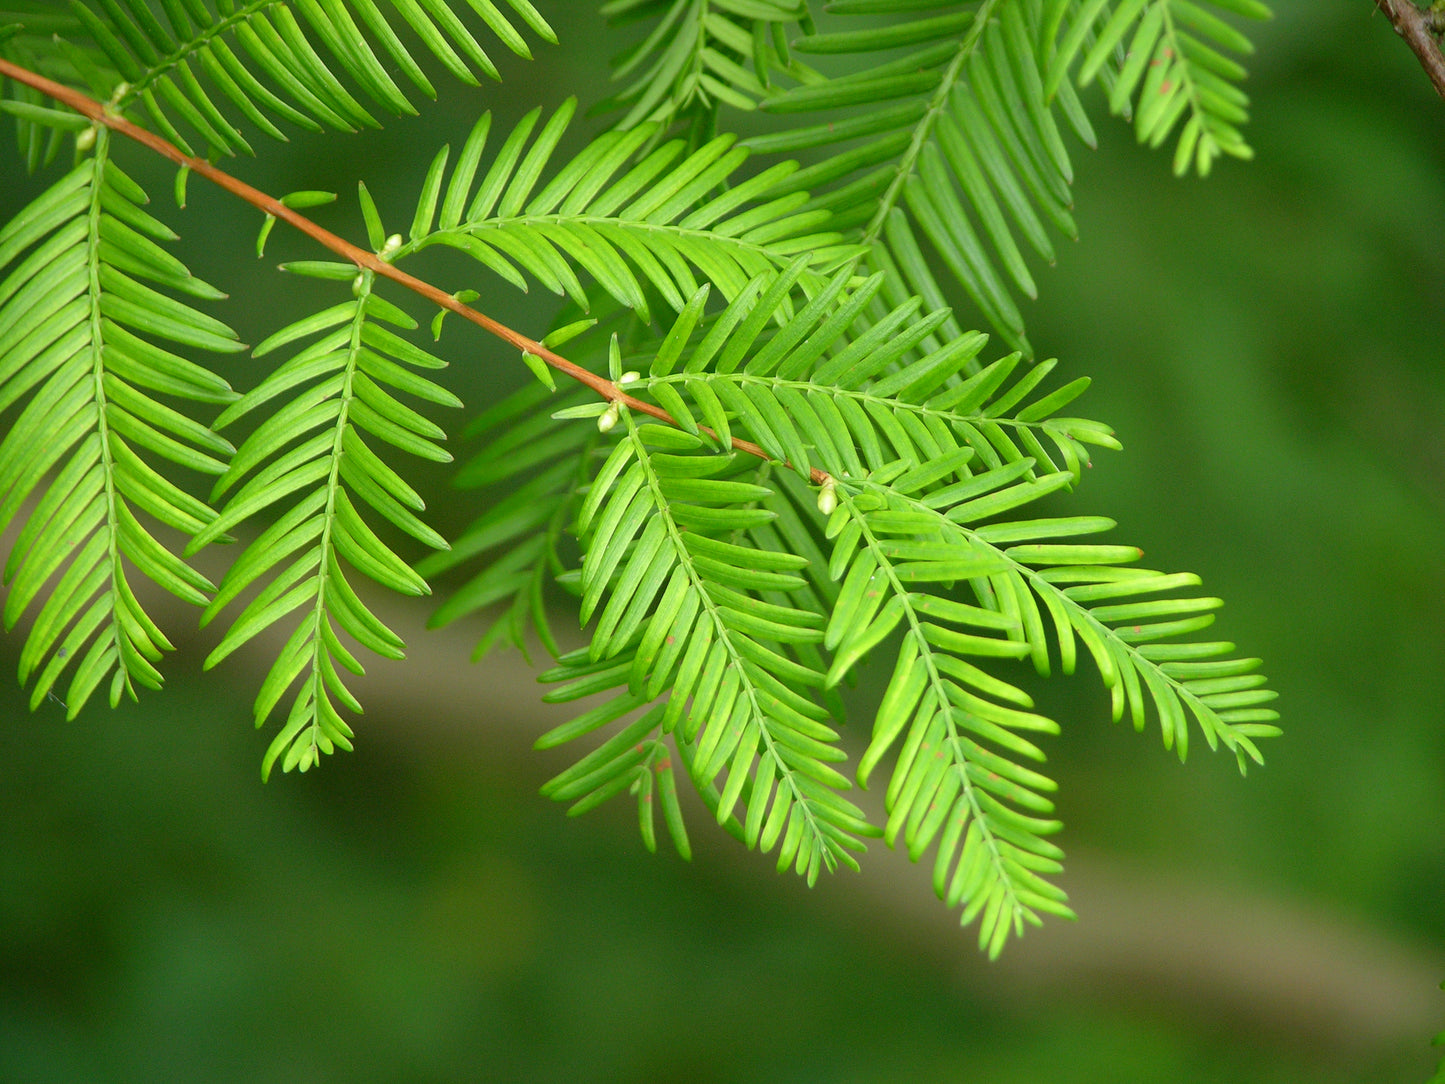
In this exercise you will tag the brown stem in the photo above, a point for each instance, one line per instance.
(1418, 29)
(369, 261)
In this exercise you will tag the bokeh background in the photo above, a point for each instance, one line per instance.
(1268, 344)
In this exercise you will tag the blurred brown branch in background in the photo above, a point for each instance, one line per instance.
(1420, 29)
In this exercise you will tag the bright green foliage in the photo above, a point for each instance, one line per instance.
(696, 568)
(314, 451)
(1162, 62)
(941, 123)
(699, 54)
(77, 325)
(124, 53)
(630, 218)
(959, 119)
(892, 512)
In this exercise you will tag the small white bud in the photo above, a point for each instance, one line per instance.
(393, 243)
(608, 418)
(632, 376)
(85, 140)
(828, 497)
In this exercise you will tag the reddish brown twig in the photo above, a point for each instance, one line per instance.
(370, 261)
(1418, 28)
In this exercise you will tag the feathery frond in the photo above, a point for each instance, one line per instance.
(674, 569)
(635, 221)
(699, 54)
(983, 808)
(1164, 62)
(316, 452)
(940, 129)
(951, 141)
(269, 59)
(77, 322)
(920, 456)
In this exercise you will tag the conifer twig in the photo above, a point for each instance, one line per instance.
(370, 261)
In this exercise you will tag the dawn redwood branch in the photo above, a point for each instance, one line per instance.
(363, 259)
(1418, 29)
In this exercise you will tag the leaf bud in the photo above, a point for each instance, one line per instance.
(608, 418)
(828, 497)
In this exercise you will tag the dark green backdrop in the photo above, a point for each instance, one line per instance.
(1268, 344)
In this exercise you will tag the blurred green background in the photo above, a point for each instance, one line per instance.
(1267, 343)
